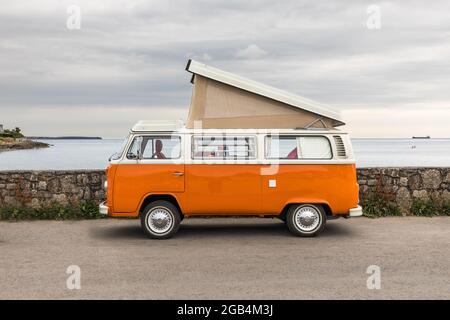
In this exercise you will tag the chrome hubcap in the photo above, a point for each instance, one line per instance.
(159, 220)
(307, 218)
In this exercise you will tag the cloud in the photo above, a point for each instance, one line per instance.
(206, 57)
(251, 52)
(133, 53)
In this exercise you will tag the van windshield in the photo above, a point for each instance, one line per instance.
(119, 153)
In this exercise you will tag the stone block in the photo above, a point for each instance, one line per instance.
(431, 178)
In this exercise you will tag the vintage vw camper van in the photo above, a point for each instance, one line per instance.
(263, 153)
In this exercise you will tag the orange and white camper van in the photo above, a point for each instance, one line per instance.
(246, 149)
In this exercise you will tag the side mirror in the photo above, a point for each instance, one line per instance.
(132, 156)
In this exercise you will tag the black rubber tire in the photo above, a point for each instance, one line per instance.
(176, 219)
(290, 221)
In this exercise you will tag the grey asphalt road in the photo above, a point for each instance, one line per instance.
(232, 258)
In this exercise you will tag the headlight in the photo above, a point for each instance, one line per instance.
(105, 185)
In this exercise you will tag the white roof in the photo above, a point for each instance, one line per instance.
(178, 126)
(158, 125)
(262, 89)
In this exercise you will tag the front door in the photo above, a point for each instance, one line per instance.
(152, 165)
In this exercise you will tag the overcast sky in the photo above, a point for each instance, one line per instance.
(127, 61)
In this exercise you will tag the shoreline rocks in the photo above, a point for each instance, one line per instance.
(20, 144)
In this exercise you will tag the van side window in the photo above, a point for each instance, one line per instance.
(281, 147)
(298, 147)
(155, 147)
(223, 147)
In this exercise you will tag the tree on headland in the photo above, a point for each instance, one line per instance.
(12, 133)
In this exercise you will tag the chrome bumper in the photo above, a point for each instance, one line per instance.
(355, 212)
(103, 208)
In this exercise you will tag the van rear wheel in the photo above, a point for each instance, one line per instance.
(160, 220)
(306, 220)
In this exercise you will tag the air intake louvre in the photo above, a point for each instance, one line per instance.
(340, 147)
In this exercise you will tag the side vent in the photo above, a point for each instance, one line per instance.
(340, 147)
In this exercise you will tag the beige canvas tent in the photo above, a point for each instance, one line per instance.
(223, 100)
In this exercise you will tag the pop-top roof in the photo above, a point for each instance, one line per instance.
(222, 99)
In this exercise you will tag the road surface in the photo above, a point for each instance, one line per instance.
(227, 258)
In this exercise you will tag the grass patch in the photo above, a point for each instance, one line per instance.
(429, 208)
(377, 206)
(446, 209)
(55, 211)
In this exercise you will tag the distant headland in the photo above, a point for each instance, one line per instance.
(13, 139)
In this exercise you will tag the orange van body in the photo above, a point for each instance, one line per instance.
(231, 189)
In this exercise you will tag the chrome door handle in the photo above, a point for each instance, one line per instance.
(178, 174)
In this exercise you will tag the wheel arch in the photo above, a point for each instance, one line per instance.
(325, 205)
(155, 197)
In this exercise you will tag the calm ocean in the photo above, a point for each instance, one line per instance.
(94, 154)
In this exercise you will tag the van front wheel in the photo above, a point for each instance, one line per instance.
(306, 220)
(160, 220)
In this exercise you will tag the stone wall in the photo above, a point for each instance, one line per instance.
(403, 185)
(42, 188)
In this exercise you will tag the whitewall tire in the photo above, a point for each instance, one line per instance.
(306, 220)
(160, 219)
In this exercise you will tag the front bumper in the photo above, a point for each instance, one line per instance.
(103, 208)
(355, 212)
